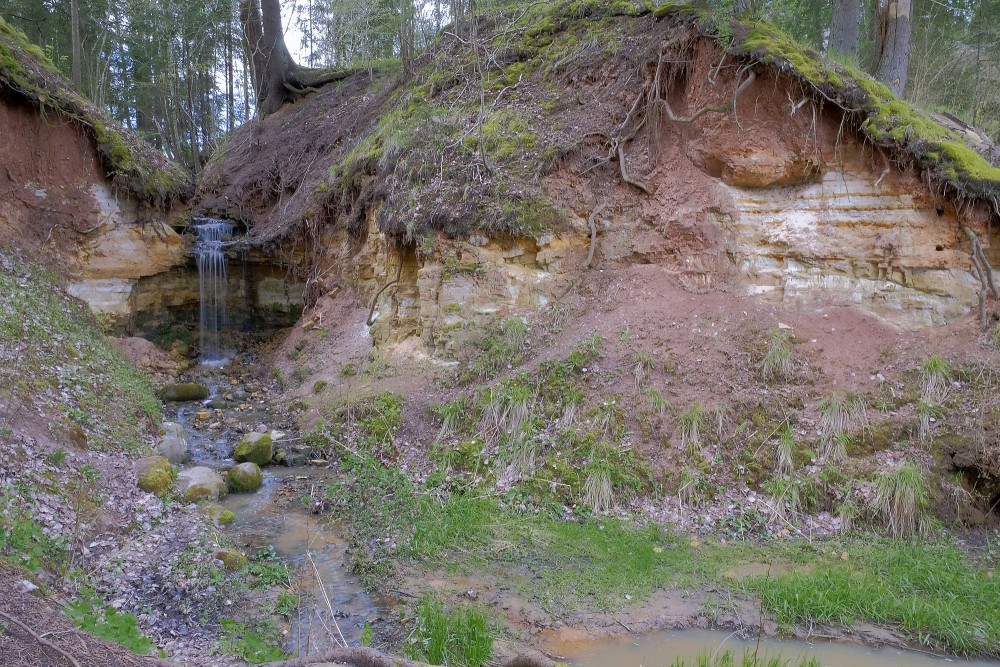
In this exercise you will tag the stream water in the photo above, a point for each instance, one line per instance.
(662, 648)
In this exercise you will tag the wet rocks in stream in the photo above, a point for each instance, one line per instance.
(244, 477)
(201, 483)
(183, 391)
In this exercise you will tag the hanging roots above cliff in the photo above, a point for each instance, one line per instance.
(654, 100)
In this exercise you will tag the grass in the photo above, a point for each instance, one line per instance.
(89, 613)
(777, 363)
(691, 423)
(839, 417)
(503, 348)
(901, 499)
(930, 592)
(935, 374)
(785, 452)
(454, 637)
(256, 643)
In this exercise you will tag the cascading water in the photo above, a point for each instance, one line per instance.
(210, 254)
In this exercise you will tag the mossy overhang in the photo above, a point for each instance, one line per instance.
(28, 76)
(886, 121)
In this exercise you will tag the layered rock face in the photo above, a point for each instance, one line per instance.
(56, 199)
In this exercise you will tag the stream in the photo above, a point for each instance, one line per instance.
(660, 649)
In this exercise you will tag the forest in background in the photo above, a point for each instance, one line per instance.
(182, 73)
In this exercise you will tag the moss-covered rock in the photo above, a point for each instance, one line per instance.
(201, 483)
(244, 477)
(231, 560)
(255, 448)
(220, 515)
(183, 391)
(155, 474)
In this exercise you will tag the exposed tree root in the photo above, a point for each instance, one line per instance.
(593, 233)
(716, 108)
(985, 273)
(655, 97)
(371, 306)
(41, 640)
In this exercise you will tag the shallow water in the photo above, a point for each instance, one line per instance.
(314, 549)
(662, 648)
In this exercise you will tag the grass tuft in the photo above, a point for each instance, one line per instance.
(901, 500)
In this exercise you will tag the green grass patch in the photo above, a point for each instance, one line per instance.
(456, 637)
(931, 592)
(89, 613)
(256, 643)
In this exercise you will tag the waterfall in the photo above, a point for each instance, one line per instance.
(210, 254)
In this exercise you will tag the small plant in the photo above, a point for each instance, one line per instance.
(256, 644)
(460, 638)
(286, 604)
(784, 455)
(585, 352)
(777, 364)
(643, 364)
(598, 491)
(901, 500)
(657, 402)
(267, 569)
(934, 375)
(691, 425)
(786, 499)
(687, 492)
(503, 348)
(451, 414)
(348, 370)
(57, 457)
(839, 416)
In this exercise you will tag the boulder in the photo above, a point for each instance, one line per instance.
(155, 474)
(255, 448)
(183, 391)
(244, 477)
(200, 483)
(231, 560)
(173, 444)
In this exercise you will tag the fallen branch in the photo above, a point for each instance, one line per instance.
(624, 170)
(593, 233)
(41, 640)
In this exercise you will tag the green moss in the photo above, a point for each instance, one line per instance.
(157, 477)
(777, 46)
(233, 561)
(254, 448)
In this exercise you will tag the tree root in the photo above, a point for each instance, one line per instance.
(985, 273)
(41, 640)
(716, 108)
(656, 99)
(371, 306)
(593, 233)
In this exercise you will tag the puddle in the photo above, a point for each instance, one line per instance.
(661, 649)
(274, 515)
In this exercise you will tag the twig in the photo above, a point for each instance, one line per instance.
(326, 599)
(40, 640)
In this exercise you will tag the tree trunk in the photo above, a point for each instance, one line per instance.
(846, 32)
(894, 44)
(74, 11)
